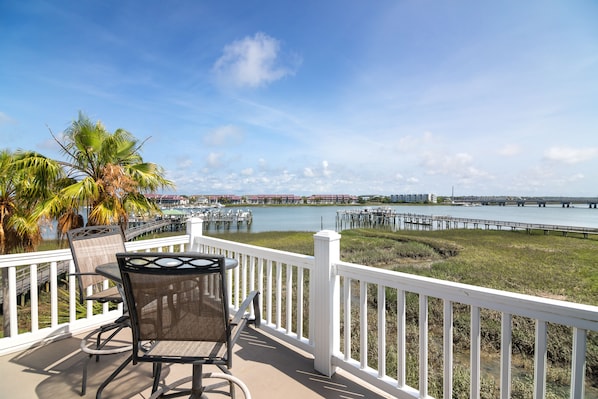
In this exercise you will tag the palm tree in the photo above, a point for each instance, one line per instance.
(105, 174)
(26, 180)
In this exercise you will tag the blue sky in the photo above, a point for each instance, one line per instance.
(314, 97)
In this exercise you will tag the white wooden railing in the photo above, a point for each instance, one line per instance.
(308, 301)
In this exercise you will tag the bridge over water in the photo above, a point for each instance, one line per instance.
(565, 202)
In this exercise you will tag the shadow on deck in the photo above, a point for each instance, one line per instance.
(269, 367)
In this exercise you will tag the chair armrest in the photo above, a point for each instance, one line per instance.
(252, 297)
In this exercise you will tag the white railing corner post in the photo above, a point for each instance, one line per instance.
(326, 308)
(194, 230)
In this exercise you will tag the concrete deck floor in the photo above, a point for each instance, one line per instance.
(269, 367)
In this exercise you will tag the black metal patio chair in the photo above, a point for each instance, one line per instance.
(90, 247)
(179, 309)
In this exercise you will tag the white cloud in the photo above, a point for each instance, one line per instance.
(410, 143)
(214, 160)
(459, 166)
(570, 155)
(5, 118)
(576, 177)
(184, 163)
(308, 172)
(251, 62)
(325, 169)
(509, 150)
(247, 172)
(224, 135)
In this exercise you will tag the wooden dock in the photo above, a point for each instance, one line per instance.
(213, 218)
(388, 218)
(226, 219)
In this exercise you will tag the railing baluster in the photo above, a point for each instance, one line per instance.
(363, 324)
(401, 339)
(244, 271)
(72, 292)
(237, 281)
(347, 317)
(34, 298)
(475, 350)
(12, 294)
(506, 345)
(278, 295)
(578, 366)
(448, 348)
(260, 283)
(269, 292)
(229, 280)
(54, 293)
(541, 349)
(423, 346)
(289, 298)
(299, 303)
(381, 331)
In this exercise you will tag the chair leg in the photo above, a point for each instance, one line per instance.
(84, 378)
(99, 345)
(112, 376)
(156, 371)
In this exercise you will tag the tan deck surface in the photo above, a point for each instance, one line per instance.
(270, 368)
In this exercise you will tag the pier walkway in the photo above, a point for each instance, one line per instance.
(388, 218)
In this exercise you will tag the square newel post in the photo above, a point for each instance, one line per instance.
(326, 306)
(194, 231)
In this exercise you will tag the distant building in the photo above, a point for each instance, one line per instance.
(330, 199)
(414, 198)
(215, 199)
(273, 199)
(167, 199)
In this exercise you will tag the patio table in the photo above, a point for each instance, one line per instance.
(112, 272)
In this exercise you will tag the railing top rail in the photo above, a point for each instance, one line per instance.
(57, 255)
(550, 310)
(29, 258)
(156, 242)
(306, 261)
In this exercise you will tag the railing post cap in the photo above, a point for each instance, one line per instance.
(327, 234)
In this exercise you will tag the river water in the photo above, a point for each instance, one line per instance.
(315, 218)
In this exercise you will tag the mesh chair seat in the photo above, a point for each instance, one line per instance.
(176, 352)
(111, 294)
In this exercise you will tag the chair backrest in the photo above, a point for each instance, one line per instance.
(92, 246)
(177, 297)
